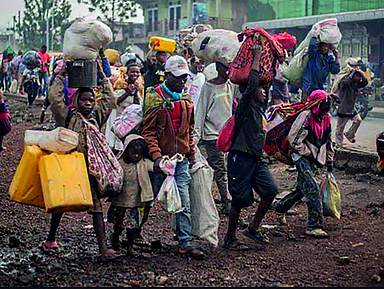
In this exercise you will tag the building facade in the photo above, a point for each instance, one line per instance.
(166, 17)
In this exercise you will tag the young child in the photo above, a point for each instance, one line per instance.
(136, 195)
(246, 169)
(5, 120)
(86, 115)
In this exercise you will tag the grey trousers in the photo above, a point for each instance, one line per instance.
(216, 159)
(341, 123)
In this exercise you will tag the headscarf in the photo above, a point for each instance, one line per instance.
(318, 126)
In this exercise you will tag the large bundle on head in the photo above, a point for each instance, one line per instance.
(113, 56)
(31, 59)
(84, 38)
(216, 45)
(327, 31)
(185, 37)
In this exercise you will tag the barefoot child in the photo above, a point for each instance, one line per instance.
(87, 116)
(136, 195)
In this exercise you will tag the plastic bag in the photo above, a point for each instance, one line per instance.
(295, 70)
(128, 120)
(225, 138)
(169, 196)
(84, 38)
(13, 88)
(58, 140)
(330, 194)
(204, 215)
(216, 45)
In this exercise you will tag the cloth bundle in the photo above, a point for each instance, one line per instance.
(270, 51)
(102, 163)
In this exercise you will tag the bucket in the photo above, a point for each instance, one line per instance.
(82, 73)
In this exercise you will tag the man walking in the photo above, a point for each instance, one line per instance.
(168, 129)
(44, 55)
(213, 110)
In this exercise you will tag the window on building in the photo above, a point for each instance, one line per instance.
(200, 13)
(152, 21)
(174, 15)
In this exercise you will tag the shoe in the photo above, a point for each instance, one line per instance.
(189, 251)
(317, 233)
(352, 140)
(256, 235)
(291, 169)
(281, 219)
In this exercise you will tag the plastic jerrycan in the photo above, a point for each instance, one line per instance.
(65, 183)
(26, 186)
(162, 44)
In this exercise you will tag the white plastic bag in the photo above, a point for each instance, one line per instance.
(128, 120)
(216, 45)
(204, 215)
(169, 196)
(58, 140)
(13, 87)
(84, 38)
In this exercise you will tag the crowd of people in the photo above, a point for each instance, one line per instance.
(185, 105)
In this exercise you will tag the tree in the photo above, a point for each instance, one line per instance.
(37, 15)
(113, 10)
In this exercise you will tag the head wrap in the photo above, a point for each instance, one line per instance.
(318, 125)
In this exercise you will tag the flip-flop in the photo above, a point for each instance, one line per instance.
(235, 245)
(139, 241)
(256, 235)
(54, 248)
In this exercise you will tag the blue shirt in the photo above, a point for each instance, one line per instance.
(318, 67)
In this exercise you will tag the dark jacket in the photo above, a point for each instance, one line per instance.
(249, 136)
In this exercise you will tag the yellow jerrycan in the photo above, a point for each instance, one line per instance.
(65, 183)
(162, 44)
(26, 186)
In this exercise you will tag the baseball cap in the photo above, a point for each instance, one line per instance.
(177, 65)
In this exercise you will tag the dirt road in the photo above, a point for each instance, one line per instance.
(350, 257)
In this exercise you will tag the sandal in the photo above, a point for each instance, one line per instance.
(317, 233)
(139, 241)
(256, 235)
(234, 245)
(49, 247)
(189, 251)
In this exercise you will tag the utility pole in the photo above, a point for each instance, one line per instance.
(53, 31)
(47, 37)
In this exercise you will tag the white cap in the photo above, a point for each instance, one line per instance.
(177, 65)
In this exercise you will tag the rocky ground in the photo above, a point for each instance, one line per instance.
(352, 256)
